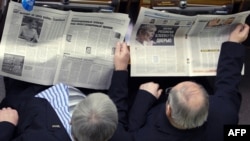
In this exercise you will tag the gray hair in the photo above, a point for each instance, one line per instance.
(95, 118)
(182, 113)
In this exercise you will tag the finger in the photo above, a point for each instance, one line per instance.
(160, 91)
(124, 47)
(148, 82)
(145, 84)
(157, 85)
(238, 28)
(118, 48)
(246, 26)
(245, 29)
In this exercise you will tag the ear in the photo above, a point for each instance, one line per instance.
(168, 110)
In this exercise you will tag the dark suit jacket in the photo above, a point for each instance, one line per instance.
(118, 92)
(37, 122)
(148, 122)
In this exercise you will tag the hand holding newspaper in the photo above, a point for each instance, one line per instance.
(165, 44)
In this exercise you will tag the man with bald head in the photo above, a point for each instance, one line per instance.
(192, 100)
(189, 112)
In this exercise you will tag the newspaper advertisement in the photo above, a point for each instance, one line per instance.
(48, 46)
(158, 45)
(165, 44)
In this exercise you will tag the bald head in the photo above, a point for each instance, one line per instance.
(187, 105)
(191, 94)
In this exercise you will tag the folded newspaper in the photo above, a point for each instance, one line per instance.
(165, 44)
(48, 46)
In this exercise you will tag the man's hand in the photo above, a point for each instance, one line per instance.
(239, 34)
(122, 56)
(9, 115)
(152, 88)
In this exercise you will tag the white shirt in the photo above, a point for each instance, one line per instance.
(63, 99)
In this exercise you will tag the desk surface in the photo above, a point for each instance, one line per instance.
(151, 3)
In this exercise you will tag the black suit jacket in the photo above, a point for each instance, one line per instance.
(37, 122)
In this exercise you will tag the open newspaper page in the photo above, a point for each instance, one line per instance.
(31, 43)
(205, 39)
(158, 44)
(89, 46)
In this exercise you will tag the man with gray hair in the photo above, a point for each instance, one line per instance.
(62, 112)
(94, 118)
(189, 102)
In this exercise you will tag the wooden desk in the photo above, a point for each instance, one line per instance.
(112, 3)
(151, 3)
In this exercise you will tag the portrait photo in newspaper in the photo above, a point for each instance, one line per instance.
(117, 35)
(30, 29)
(145, 34)
(157, 35)
(88, 50)
(68, 37)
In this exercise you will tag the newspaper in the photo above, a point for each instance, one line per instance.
(166, 44)
(63, 46)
